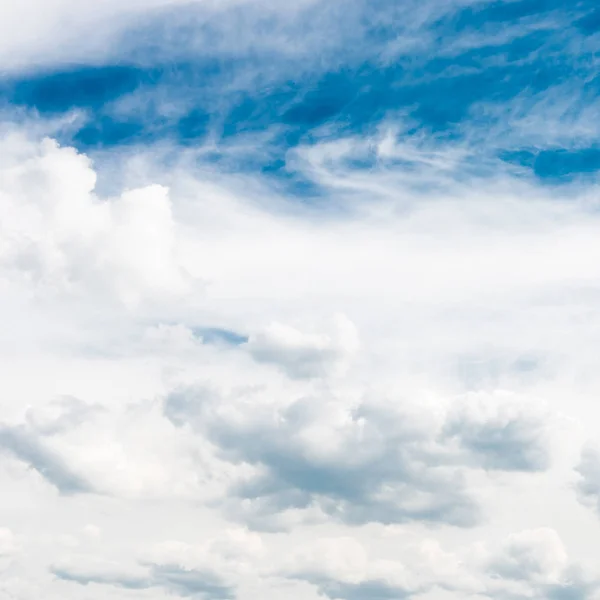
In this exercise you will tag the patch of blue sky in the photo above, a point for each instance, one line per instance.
(289, 181)
(212, 335)
(81, 87)
(105, 131)
(488, 54)
(557, 164)
(501, 12)
(561, 163)
(589, 23)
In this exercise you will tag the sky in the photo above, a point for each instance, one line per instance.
(299, 300)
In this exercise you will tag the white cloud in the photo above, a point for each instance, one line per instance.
(37, 34)
(528, 564)
(306, 355)
(302, 432)
(359, 458)
(8, 544)
(588, 484)
(208, 570)
(92, 531)
(502, 431)
(534, 563)
(340, 568)
(538, 556)
(57, 234)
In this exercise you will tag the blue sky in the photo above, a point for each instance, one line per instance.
(299, 299)
(481, 74)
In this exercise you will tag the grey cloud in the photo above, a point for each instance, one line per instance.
(513, 440)
(191, 583)
(27, 447)
(184, 405)
(365, 590)
(568, 591)
(588, 486)
(530, 555)
(373, 462)
(574, 590)
(538, 560)
(217, 335)
(576, 585)
(383, 466)
(85, 578)
(298, 363)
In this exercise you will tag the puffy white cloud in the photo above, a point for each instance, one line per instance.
(209, 570)
(113, 451)
(306, 355)
(59, 415)
(59, 235)
(534, 563)
(358, 459)
(343, 568)
(528, 564)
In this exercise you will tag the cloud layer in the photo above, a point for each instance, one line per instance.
(299, 301)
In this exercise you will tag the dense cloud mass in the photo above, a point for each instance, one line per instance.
(299, 300)
(360, 461)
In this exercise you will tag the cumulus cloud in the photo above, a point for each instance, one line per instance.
(208, 570)
(527, 564)
(59, 415)
(537, 555)
(171, 578)
(358, 161)
(305, 355)
(588, 485)
(530, 564)
(59, 235)
(303, 425)
(26, 447)
(343, 568)
(355, 465)
(504, 433)
(378, 589)
(108, 451)
(357, 460)
(535, 563)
